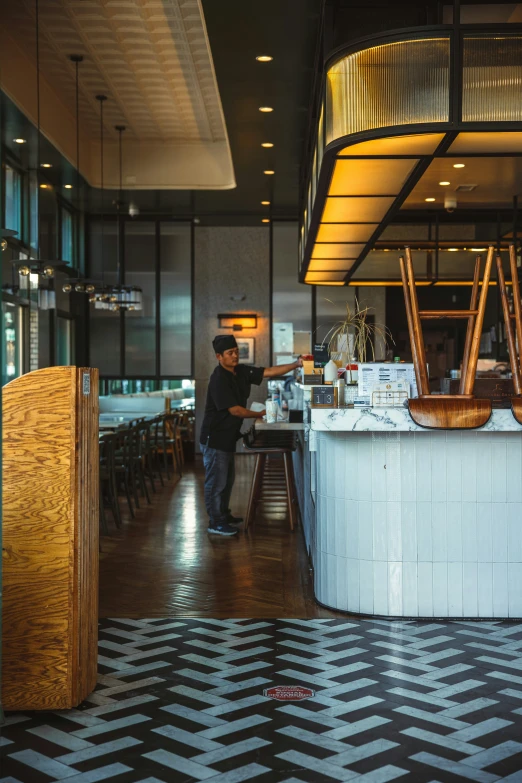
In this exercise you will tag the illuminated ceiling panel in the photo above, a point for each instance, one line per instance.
(355, 210)
(424, 144)
(337, 251)
(370, 177)
(471, 143)
(330, 277)
(331, 264)
(345, 232)
(484, 182)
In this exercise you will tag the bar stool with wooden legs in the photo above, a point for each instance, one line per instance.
(515, 356)
(447, 411)
(264, 487)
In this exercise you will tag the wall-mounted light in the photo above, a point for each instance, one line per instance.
(237, 321)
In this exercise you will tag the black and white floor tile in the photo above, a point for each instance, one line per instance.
(182, 700)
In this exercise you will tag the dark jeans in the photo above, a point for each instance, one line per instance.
(220, 473)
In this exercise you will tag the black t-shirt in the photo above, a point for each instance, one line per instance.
(220, 430)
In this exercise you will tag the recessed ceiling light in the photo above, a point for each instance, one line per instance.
(452, 249)
(445, 182)
(429, 199)
(44, 186)
(265, 109)
(265, 220)
(265, 203)
(458, 165)
(46, 165)
(268, 172)
(19, 141)
(267, 144)
(477, 249)
(69, 187)
(264, 58)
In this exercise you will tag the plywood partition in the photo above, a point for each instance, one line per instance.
(50, 538)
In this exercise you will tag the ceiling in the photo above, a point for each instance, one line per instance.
(153, 62)
(496, 181)
(237, 33)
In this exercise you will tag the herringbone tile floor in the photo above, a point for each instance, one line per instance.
(182, 700)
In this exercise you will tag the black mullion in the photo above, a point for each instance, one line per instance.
(121, 262)
(157, 260)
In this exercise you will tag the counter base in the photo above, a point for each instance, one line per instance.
(419, 525)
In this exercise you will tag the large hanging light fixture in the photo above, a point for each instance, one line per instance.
(117, 297)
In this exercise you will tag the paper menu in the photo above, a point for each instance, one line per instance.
(371, 375)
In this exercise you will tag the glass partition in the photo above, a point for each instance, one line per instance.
(175, 299)
(140, 325)
(492, 79)
(104, 326)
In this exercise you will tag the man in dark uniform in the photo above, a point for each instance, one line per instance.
(227, 397)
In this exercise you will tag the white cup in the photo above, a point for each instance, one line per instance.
(271, 411)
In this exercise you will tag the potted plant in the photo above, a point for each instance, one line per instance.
(352, 341)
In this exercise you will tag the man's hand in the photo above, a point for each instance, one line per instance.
(261, 414)
(299, 362)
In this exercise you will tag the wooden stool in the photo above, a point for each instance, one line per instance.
(447, 411)
(515, 357)
(265, 444)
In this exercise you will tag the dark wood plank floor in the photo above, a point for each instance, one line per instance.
(164, 564)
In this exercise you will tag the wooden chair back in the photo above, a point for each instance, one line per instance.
(513, 337)
(447, 411)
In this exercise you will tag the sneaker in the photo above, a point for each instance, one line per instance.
(234, 520)
(221, 529)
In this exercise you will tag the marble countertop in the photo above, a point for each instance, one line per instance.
(393, 420)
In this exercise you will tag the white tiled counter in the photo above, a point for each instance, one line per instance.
(412, 522)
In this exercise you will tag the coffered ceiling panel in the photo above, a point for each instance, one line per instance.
(153, 61)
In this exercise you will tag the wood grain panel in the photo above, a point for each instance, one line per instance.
(450, 413)
(50, 547)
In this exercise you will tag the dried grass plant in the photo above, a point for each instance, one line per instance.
(364, 334)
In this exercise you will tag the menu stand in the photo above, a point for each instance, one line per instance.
(515, 357)
(447, 411)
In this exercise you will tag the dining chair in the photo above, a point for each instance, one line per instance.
(447, 411)
(108, 481)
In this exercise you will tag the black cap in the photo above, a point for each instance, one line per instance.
(224, 342)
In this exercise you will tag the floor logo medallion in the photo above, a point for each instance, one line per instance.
(289, 693)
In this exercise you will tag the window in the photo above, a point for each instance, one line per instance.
(67, 253)
(13, 200)
(12, 367)
(151, 248)
(64, 341)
